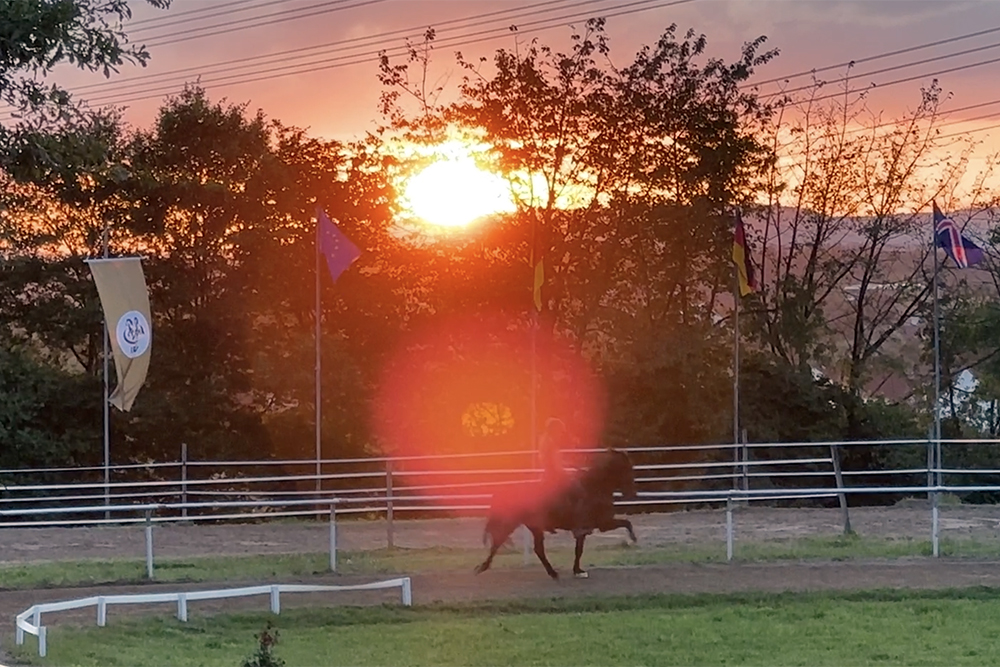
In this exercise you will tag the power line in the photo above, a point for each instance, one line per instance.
(326, 8)
(894, 68)
(328, 47)
(343, 61)
(245, 64)
(975, 131)
(879, 56)
(908, 79)
(139, 94)
(157, 22)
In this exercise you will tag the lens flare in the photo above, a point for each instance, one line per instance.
(455, 401)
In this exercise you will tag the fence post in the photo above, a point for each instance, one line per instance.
(841, 496)
(275, 599)
(333, 536)
(729, 528)
(936, 500)
(934, 526)
(737, 457)
(149, 544)
(406, 594)
(388, 502)
(184, 478)
(746, 458)
(930, 463)
(940, 462)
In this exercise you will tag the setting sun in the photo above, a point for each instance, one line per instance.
(453, 192)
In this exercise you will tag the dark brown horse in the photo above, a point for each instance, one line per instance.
(583, 504)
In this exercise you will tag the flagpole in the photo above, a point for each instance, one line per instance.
(107, 411)
(319, 388)
(937, 358)
(736, 357)
(534, 370)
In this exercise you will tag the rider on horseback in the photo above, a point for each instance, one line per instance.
(556, 480)
(550, 447)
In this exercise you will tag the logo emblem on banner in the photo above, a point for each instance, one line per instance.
(132, 333)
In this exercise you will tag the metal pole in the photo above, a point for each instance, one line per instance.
(319, 389)
(930, 463)
(736, 357)
(149, 544)
(184, 477)
(841, 496)
(729, 528)
(937, 396)
(107, 411)
(333, 537)
(534, 371)
(937, 348)
(534, 416)
(388, 503)
(935, 527)
(746, 459)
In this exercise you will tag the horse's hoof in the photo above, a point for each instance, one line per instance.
(581, 574)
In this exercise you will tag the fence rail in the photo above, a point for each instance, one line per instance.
(390, 486)
(181, 488)
(34, 626)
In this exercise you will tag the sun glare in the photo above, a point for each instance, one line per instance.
(454, 192)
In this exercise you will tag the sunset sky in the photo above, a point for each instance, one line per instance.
(193, 37)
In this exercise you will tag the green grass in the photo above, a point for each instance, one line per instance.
(411, 561)
(871, 628)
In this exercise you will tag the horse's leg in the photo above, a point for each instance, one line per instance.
(578, 571)
(539, 535)
(613, 524)
(499, 532)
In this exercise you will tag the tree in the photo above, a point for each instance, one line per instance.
(844, 265)
(38, 36)
(47, 416)
(623, 180)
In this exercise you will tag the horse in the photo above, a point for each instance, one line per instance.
(583, 504)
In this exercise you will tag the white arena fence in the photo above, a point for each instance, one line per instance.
(29, 621)
(710, 475)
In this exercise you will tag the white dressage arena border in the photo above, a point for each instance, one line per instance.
(35, 627)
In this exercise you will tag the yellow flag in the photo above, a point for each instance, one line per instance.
(122, 289)
(537, 284)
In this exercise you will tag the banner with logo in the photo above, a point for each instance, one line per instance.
(122, 289)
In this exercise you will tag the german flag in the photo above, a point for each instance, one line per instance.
(741, 258)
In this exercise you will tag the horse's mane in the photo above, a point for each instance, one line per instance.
(604, 463)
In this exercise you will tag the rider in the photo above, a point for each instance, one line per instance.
(554, 439)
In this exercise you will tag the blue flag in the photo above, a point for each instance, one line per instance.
(962, 251)
(340, 253)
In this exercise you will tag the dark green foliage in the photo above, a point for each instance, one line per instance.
(48, 417)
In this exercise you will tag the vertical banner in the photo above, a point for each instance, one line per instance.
(122, 288)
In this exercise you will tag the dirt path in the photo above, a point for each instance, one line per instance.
(694, 527)
(755, 524)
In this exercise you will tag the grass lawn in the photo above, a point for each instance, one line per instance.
(410, 561)
(884, 628)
